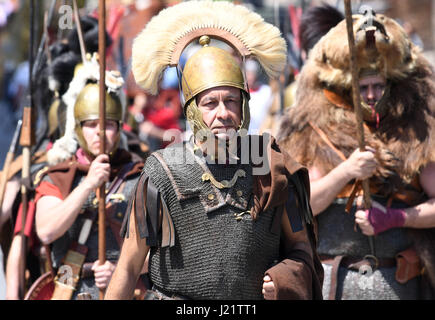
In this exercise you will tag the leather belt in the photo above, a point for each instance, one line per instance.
(352, 263)
(160, 294)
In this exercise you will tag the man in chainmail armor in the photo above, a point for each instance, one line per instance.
(224, 215)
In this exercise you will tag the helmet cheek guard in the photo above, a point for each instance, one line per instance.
(163, 40)
(211, 67)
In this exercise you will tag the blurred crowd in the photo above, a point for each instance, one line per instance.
(148, 118)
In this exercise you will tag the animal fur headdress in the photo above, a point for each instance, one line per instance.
(167, 34)
(381, 44)
(405, 139)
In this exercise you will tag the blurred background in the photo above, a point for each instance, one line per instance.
(149, 117)
(125, 18)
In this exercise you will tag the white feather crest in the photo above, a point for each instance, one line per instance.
(66, 146)
(153, 47)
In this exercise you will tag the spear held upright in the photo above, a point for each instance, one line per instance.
(102, 124)
(357, 104)
(27, 140)
(9, 158)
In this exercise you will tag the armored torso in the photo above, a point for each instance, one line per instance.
(220, 252)
(118, 204)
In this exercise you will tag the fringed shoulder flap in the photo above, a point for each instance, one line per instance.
(136, 202)
(151, 213)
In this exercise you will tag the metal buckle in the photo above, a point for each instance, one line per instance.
(238, 216)
(374, 259)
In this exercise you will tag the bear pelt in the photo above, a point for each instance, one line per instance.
(405, 139)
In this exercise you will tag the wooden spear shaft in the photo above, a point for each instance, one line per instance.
(357, 103)
(356, 94)
(79, 31)
(7, 164)
(102, 86)
(27, 139)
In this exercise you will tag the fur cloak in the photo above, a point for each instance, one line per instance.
(405, 138)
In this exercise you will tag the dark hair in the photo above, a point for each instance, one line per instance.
(43, 95)
(316, 22)
(89, 27)
(62, 69)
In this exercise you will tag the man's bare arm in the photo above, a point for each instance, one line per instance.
(55, 216)
(324, 189)
(130, 263)
(13, 267)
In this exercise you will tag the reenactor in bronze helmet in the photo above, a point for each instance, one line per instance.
(71, 81)
(52, 82)
(66, 203)
(216, 224)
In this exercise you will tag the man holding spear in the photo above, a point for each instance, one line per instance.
(388, 142)
(72, 192)
(66, 202)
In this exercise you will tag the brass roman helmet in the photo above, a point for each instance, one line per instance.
(80, 103)
(167, 34)
(87, 108)
(211, 67)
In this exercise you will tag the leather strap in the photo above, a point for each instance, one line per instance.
(153, 209)
(293, 212)
(355, 189)
(327, 141)
(117, 185)
(152, 215)
(119, 179)
(146, 206)
(138, 205)
(334, 276)
(298, 202)
(354, 263)
(168, 230)
(114, 224)
(356, 186)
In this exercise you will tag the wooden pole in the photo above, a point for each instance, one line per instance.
(356, 93)
(357, 104)
(27, 139)
(79, 31)
(102, 190)
(9, 158)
